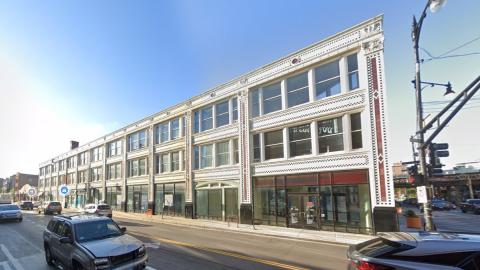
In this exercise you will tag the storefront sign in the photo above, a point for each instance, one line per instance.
(422, 194)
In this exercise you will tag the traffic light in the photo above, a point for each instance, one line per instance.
(435, 152)
(414, 177)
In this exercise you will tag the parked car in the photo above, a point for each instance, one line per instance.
(422, 250)
(10, 212)
(49, 208)
(101, 209)
(26, 205)
(471, 205)
(91, 242)
(440, 204)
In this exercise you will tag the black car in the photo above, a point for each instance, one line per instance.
(417, 251)
(91, 242)
(26, 205)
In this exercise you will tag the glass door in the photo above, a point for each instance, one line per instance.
(303, 211)
(136, 201)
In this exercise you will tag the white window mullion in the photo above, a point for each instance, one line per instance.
(314, 138)
(260, 101)
(343, 75)
(214, 155)
(214, 116)
(231, 154)
(286, 144)
(347, 141)
(311, 85)
(284, 95)
(230, 111)
(262, 146)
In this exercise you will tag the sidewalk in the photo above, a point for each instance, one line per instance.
(299, 234)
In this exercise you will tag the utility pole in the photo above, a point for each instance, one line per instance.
(422, 169)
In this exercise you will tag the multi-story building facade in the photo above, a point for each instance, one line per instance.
(300, 142)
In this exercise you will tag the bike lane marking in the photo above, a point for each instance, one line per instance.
(10, 258)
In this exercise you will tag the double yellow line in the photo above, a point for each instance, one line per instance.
(230, 254)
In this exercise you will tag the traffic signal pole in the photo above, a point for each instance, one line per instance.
(416, 29)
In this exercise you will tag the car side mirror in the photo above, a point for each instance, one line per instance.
(123, 229)
(66, 240)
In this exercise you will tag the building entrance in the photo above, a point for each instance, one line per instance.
(303, 211)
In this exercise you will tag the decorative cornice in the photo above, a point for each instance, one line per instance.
(317, 109)
(316, 164)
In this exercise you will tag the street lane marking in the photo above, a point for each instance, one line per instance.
(14, 261)
(150, 268)
(226, 253)
(5, 266)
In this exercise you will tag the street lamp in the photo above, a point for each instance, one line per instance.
(434, 5)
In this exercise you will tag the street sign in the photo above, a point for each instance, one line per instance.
(64, 190)
(32, 192)
(168, 200)
(422, 194)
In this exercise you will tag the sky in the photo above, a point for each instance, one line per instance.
(77, 70)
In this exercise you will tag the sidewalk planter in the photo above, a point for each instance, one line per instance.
(413, 221)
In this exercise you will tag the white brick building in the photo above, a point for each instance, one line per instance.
(300, 142)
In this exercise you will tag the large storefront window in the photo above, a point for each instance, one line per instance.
(170, 199)
(80, 199)
(114, 197)
(209, 203)
(137, 198)
(337, 201)
(95, 195)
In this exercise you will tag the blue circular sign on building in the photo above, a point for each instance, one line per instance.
(64, 190)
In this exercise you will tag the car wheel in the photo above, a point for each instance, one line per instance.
(20, 219)
(464, 211)
(48, 256)
(59, 212)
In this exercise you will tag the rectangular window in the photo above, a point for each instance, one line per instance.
(137, 140)
(196, 157)
(206, 156)
(352, 71)
(300, 140)
(297, 89)
(114, 171)
(96, 174)
(223, 153)
(236, 156)
(330, 135)
(163, 132)
(82, 176)
(82, 159)
(256, 147)
(142, 166)
(255, 101)
(235, 109)
(97, 154)
(196, 122)
(273, 144)
(272, 98)
(327, 80)
(165, 163)
(175, 129)
(133, 168)
(115, 148)
(207, 118)
(175, 162)
(221, 112)
(356, 127)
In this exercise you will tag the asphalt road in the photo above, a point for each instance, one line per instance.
(177, 247)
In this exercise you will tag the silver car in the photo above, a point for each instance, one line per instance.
(10, 212)
(101, 209)
(419, 251)
(91, 242)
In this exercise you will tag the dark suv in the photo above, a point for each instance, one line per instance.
(91, 242)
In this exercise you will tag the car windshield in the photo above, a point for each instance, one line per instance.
(95, 230)
(474, 201)
(9, 207)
